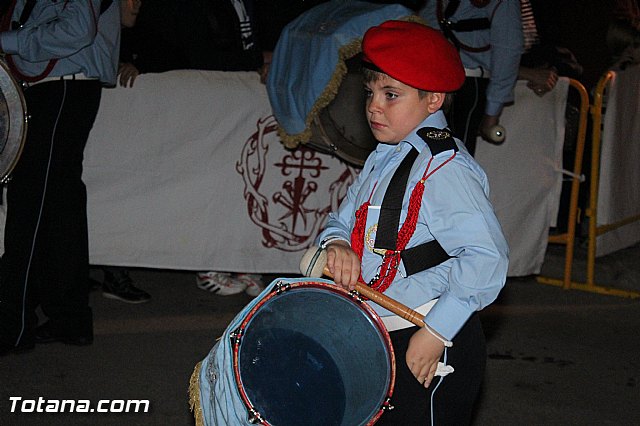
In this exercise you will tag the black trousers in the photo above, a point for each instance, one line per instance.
(46, 261)
(467, 111)
(452, 396)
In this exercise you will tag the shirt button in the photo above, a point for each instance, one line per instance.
(398, 149)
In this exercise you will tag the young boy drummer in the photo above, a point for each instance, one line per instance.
(417, 224)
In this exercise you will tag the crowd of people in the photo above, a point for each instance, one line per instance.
(65, 53)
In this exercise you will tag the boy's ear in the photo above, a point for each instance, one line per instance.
(435, 101)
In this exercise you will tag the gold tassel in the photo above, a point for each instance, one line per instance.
(194, 395)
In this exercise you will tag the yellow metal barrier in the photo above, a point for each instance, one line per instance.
(568, 238)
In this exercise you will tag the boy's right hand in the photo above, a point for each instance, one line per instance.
(344, 264)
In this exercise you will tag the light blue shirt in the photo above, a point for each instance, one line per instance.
(455, 210)
(504, 36)
(74, 32)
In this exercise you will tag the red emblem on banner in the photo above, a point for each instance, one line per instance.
(289, 193)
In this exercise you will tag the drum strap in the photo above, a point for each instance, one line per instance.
(26, 12)
(423, 256)
(389, 222)
(464, 25)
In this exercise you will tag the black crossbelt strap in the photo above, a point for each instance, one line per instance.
(104, 5)
(423, 256)
(389, 221)
(463, 25)
(451, 8)
(472, 24)
(26, 12)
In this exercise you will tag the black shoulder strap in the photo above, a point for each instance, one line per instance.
(464, 25)
(104, 5)
(451, 9)
(472, 24)
(438, 140)
(389, 220)
(26, 12)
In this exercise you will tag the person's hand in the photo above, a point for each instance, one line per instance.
(541, 80)
(487, 123)
(267, 56)
(127, 73)
(344, 264)
(423, 354)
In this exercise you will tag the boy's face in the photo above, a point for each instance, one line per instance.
(394, 109)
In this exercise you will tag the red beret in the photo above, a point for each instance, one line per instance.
(414, 54)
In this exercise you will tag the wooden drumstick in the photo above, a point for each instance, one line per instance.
(386, 302)
(314, 264)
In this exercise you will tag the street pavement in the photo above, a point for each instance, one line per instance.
(556, 357)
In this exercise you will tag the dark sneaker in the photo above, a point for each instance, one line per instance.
(119, 285)
(47, 333)
(15, 336)
(22, 346)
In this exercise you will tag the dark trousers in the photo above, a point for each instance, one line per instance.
(467, 111)
(452, 396)
(46, 261)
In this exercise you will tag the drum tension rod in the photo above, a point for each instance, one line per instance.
(387, 405)
(255, 417)
(282, 286)
(236, 336)
(355, 295)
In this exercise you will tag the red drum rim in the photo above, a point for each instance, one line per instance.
(287, 286)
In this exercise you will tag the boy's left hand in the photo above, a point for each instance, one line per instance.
(127, 73)
(488, 121)
(423, 355)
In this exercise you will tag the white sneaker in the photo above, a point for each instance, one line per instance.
(220, 283)
(253, 283)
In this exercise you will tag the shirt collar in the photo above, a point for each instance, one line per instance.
(437, 120)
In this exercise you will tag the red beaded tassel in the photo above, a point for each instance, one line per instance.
(391, 260)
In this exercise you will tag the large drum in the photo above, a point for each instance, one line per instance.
(13, 122)
(305, 353)
(341, 128)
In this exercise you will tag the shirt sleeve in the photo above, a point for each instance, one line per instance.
(70, 28)
(507, 44)
(461, 218)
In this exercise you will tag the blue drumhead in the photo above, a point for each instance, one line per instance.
(313, 356)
